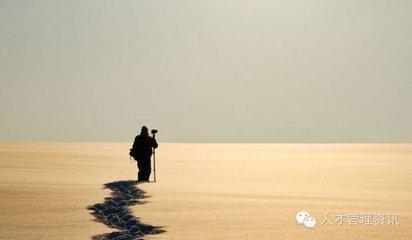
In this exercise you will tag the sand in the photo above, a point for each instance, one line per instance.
(208, 191)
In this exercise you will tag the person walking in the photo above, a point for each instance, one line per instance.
(142, 152)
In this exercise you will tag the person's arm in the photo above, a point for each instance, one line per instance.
(135, 143)
(154, 143)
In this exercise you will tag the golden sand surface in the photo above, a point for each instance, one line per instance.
(211, 191)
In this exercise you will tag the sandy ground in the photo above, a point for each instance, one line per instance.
(211, 191)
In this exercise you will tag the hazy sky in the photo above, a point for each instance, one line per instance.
(207, 71)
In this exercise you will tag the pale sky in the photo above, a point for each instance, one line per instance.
(207, 71)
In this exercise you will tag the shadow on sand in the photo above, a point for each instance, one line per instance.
(115, 212)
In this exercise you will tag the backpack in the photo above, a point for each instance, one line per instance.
(132, 154)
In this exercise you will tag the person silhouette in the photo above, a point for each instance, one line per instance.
(142, 152)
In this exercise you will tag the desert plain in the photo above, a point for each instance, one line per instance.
(211, 190)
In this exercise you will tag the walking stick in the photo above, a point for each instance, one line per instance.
(154, 131)
(154, 164)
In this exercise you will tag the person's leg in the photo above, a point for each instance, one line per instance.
(147, 169)
(140, 174)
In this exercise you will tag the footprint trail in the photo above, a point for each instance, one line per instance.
(114, 212)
